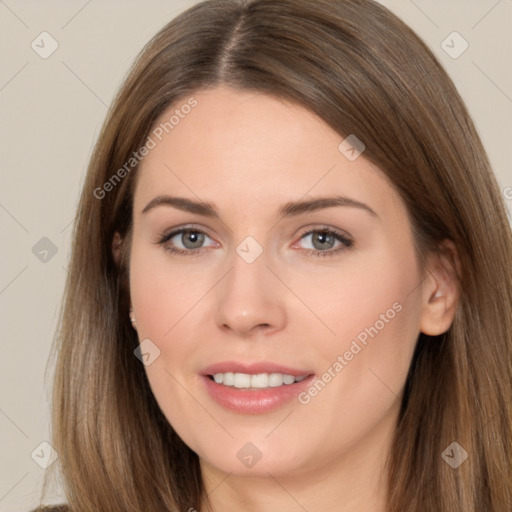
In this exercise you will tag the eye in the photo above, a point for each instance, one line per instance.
(322, 241)
(190, 241)
(185, 241)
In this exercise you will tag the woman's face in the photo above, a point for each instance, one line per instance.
(303, 266)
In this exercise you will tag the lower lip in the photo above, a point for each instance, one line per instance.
(250, 401)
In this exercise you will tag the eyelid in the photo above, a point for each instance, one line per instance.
(170, 233)
(345, 239)
(342, 236)
(322, 227)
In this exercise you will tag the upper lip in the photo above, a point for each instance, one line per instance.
(253, 368)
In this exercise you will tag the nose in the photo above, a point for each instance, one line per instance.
(250, 300)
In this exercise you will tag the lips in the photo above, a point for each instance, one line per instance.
(254, 368)
(252, 400)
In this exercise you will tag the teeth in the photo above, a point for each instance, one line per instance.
(275, 380)
(288, 379)
(219, 377)
(257, 381)
(228, 379)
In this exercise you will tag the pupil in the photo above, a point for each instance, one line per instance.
(323, 238)
(195, 238)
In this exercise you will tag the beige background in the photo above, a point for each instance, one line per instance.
(52, 110)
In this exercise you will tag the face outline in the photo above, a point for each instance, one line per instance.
(249, 154)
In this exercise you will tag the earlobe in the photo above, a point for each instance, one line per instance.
(440, 291)
(132, 319)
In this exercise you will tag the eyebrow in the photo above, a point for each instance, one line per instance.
(289, 209)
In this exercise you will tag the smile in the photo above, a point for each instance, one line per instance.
(255, 381)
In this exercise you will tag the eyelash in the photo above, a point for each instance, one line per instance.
(346, 242)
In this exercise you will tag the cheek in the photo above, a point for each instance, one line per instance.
(374, 311)
(162, 296)
(161, 293)
(352, 297)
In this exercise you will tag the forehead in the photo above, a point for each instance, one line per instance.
(249, 147)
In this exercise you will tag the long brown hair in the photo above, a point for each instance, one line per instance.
(364, 72)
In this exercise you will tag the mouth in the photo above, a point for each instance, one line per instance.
(254, 388)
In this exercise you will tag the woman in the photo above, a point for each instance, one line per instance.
(280, 293)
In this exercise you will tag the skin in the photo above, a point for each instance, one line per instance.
(248, 153)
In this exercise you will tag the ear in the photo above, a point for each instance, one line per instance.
(440, 290)
(117, 246)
